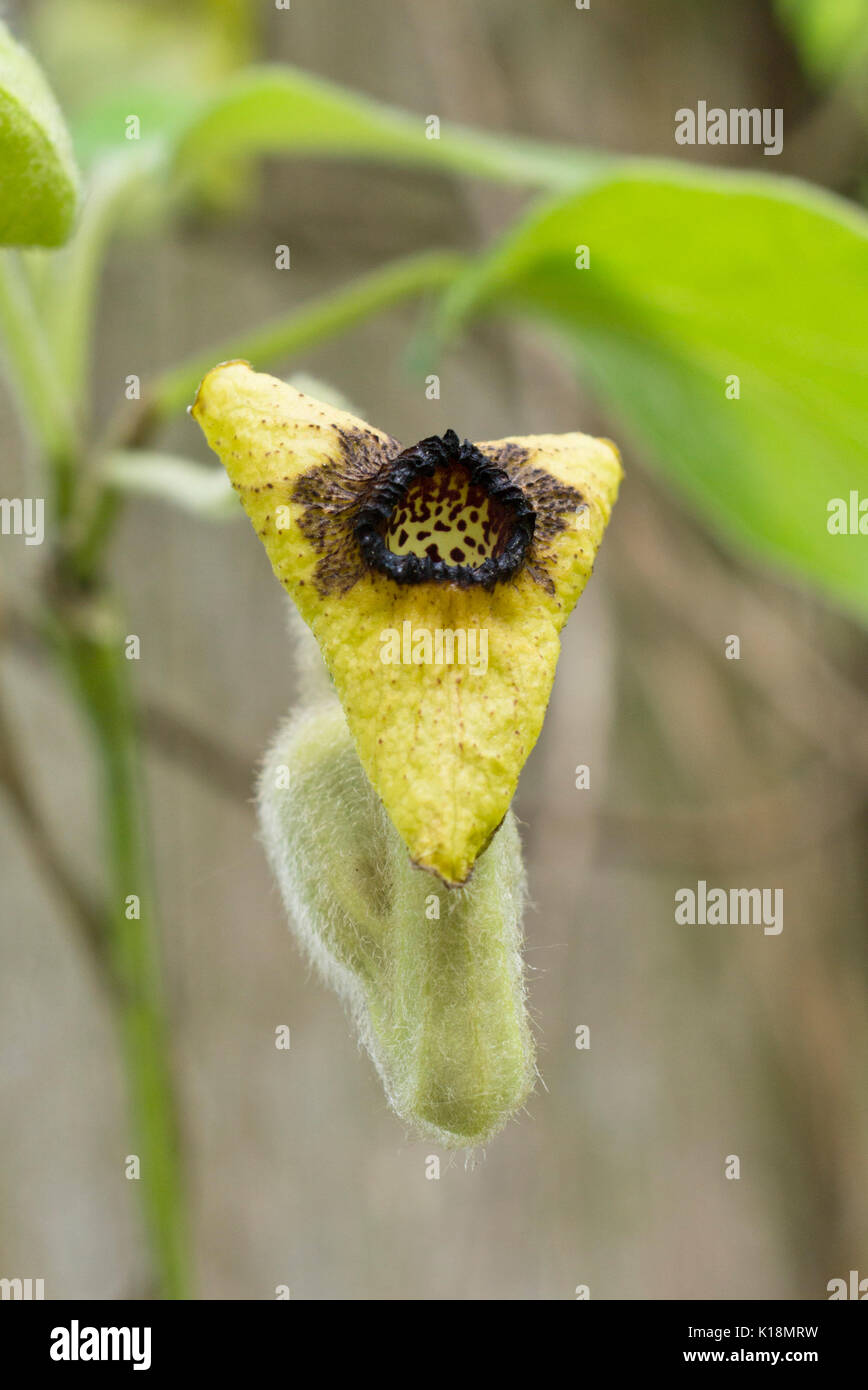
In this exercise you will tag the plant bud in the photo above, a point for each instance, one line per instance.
(431, 975)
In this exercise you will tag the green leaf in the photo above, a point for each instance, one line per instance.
(99, 127)
(830, 35)
(281, 110)
(38, 178)
(203, 492)
(694, 278)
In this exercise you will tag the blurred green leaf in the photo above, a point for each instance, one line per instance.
(38, 178)
(831, 35)
(282, 110)
(94, 50)
(204, 492)
(154, 59)
(99, 127)
(694, 278)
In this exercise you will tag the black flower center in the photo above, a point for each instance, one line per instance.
(445, 513)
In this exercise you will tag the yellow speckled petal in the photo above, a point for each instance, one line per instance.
(443, 744)
(267, 436)
(445, 687)
(592, 469)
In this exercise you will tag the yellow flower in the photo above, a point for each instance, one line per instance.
(435, 579)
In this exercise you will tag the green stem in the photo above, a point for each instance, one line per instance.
(268, 345)
(70, 298)
(92, 644)
(304, 328)
(32, 370)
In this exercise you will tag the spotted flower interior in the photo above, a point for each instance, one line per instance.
(446, 512)
(448, 517)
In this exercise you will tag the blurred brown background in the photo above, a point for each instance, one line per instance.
(705, 1042)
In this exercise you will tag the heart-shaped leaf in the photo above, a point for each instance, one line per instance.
(722, 317)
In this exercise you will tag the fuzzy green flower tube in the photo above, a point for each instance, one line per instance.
(432, 975)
